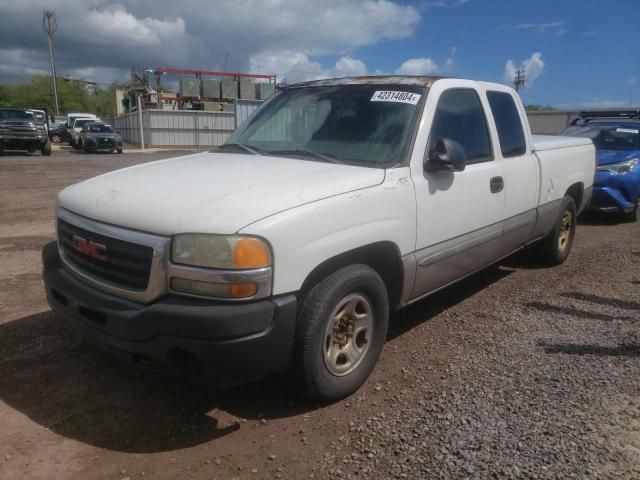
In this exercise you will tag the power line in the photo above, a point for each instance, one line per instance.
(50, 25)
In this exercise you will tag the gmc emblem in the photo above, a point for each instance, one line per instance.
(89, 248)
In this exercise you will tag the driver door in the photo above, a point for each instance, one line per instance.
(459, 213)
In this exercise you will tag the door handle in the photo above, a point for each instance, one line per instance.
(496, 184)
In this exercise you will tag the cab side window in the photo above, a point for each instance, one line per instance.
(460, 117)
(510, 132)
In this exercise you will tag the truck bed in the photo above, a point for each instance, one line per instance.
(552, 142)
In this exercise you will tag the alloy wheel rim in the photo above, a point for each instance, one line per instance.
(348, 334)
(565, 231)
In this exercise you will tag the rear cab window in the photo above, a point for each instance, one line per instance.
(508, 123)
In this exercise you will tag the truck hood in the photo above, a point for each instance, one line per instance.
(606, 157)
(210, 192)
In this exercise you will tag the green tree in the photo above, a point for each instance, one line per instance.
(73, 96)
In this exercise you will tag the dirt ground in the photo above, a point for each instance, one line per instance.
(69, 412)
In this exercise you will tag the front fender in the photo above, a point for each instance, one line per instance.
(304, 237)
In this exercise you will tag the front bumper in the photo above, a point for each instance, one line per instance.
(23, 141)
(220, 343)
(615, 193)
(107, 146)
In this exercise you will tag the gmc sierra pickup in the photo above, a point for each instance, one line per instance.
(334, 204)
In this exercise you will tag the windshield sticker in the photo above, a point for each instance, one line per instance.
(627, 130)
(400, 97)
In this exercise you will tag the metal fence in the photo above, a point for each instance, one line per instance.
(551, 122)
(183, 128)
(202, 129)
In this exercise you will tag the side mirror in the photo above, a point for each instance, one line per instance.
(446, 156)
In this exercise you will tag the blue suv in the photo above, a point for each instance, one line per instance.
(616, 136)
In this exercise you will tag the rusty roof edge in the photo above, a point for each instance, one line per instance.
(420, 80)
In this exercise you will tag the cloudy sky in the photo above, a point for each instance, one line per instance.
(574, 52)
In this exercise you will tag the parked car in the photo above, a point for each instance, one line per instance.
(71, 118)
(58, 133)
(96, 136)
(20, 130)
(335, 203)
(75, 130)
(616, 135)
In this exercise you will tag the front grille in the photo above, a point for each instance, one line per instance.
(107, 142)
(124, 264)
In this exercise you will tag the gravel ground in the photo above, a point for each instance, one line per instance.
(516, 372)
(542, 381)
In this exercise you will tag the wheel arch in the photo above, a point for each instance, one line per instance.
(383, 257)
(576, 191)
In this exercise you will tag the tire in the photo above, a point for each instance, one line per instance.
(555, 247)
(119, 150)
(323, 368)
(56, 138)
(31, 150)
(46, 149)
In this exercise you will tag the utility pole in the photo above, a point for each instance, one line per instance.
(50, 25)
(518, 81)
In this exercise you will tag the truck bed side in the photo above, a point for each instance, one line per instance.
(564, 162)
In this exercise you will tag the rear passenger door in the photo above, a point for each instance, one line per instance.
(458, 213)
(519, 165)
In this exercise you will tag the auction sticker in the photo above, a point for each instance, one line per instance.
(392, 96)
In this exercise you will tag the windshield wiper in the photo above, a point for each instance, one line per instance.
(298, 151)
(252, 150)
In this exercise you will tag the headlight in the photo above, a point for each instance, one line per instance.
(226, 266)
(220, 251)
(621, 168)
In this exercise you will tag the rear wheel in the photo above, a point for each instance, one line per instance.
(555, 247)
(55, 138)
(342, 326)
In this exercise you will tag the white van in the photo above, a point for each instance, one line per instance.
(71, 117)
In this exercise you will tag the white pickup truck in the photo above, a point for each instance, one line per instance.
(286, 249)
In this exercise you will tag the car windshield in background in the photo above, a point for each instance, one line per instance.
(80, 123)
(608, 137)
(367, 125)
(16, 115)
(98, 128)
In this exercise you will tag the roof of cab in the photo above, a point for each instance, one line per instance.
(418, 80)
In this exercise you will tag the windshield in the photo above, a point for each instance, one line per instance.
(16, 115)
(80, 123)
(368, 125)
(99, 128)
(608, 137)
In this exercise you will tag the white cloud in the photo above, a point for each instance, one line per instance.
(349, 67)
(557, 27)
(115, 24)
(198, 34)
(298, 67)
(418, 66)
(604, 103)
(445, 3)
(532, 66)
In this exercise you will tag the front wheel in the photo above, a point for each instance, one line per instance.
(46, 149)
(342, 326)
(55, 138)
(555, 247)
